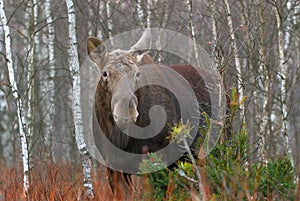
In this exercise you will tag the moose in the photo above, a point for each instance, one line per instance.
(114, 112)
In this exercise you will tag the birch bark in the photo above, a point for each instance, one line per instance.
(140, 13)
(189, 4)
(212, 5)
(90, 14)
(236, 58)
(109, 18)
(165, 14)
(218, 55)
(20, 107)
(149, 7)
(283, 79)
(251, 114)
(101, 9)
(49, 118)
(264, 84)
(296, 22)
(76, 105)
(31, 74)
(164, 21)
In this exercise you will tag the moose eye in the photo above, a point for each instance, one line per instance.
(104, 74)
(136, 75)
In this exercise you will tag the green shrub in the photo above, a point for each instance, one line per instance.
(229, 174)
(277, 178)
(226, 172)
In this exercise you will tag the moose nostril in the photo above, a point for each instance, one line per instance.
(122, 120)
(135, 116)
(115, 118)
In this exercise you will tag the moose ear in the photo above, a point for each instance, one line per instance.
(143, 58)
(96, 50)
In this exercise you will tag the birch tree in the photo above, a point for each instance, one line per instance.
(36, 33)
(189, 4)
(296, 72)
(164, 21)
(140, 13)
(212, 5)
(50, 110)
(6, 130)
(76, 105)
(250, 31)
(236, 57)
(101, 9)
(109, 18)
(90, 14)
(22, 121)
(31, 72)
(165, 14)
(265, 85)
(283, 68)
(216, 48)
(149, 9)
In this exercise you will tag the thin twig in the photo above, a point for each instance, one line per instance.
(201, 188)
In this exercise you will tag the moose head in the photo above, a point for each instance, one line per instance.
(119, 76)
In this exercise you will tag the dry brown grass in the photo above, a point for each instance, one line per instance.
(50, 182)
(64, 182)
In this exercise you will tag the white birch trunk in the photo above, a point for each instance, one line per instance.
(101, 9)
(20, 108)
(283, 79)
(140, 13)
(192, 29)
(236, 58)
(36, 35)
(212, 4)
(109, 18)
(251, 114)
(49, 116)
(264, 84)
(218, 56)
(148, 7)
(164, 26)
(89, 23)
(296, 21)
(166, 15)
(30, 74)
(191, 23)
(287, 34)
(77, 114)
(30, 67)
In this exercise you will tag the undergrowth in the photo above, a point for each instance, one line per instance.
(226, 175)
(49, 182)
(229, 173)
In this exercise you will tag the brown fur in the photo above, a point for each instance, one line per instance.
(147, 96)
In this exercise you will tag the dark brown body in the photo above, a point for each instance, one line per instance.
(110, 110)
(147, 97)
